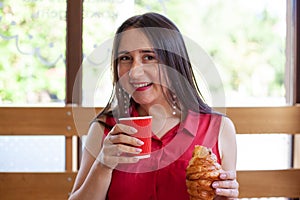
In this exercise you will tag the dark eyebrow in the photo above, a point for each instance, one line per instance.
(141, 51)
(146, 51)
(123, 52)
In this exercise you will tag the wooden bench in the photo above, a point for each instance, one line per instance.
(70, 122)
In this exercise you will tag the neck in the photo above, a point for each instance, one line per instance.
(158, 111)
(162, 118)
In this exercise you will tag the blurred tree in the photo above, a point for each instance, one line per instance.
(32, 67)
(245, 39)
(247, 43)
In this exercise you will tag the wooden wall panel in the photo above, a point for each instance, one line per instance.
(74, 121)
(36, 121)
(42, 186)
(28, 186)
(269, 183)
(266, 119)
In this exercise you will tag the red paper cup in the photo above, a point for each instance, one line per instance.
(144, 131)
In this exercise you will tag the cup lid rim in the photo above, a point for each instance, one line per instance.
(133, 118)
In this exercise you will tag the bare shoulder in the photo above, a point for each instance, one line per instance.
(228, 126)
(94, 138)
(228, 144)
(97, 126)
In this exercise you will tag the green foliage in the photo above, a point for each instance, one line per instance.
(246, 43)
(32, 67)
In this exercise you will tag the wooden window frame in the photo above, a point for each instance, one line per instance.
(73, 72)
(74, 52)
(297, 52)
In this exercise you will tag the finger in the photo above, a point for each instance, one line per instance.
(231, 184)
(122, 128)
(112, 155)
(224, 198)
(109, 150)
(225, 175)
(128, 149)
(118, 149)
(125, 139)
(231, 193)
(123, 159)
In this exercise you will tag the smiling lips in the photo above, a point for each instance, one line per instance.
(141, 86)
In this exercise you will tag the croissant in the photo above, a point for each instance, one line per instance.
(201, 171)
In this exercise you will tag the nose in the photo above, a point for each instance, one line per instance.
(136, 69)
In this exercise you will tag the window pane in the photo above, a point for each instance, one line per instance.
(100, 20)
(250, 63)
(32, 62)
(264, 151)
(32, 153)
(247, 45)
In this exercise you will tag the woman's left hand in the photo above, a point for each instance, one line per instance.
(227, 187)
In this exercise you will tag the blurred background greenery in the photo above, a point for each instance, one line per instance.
(246, 40)
(32, 67)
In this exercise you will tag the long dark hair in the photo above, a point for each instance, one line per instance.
(171, 51)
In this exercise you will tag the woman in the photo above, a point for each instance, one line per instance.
(152, 75)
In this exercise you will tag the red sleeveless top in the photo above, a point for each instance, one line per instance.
(162, 176)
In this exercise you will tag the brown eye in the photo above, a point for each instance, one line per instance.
(149, 57)
(124, 58)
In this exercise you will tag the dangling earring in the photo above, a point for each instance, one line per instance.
(174, 101)
(124, 100)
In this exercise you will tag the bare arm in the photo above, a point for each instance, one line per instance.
(228, 187)
(98, 161)
(93, 177)
(228, 145)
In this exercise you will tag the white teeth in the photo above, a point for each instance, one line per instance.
(140, 85)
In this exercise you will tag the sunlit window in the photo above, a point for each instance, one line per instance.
(32, 153)
(32, 72)
(251, 63)
(32, 62)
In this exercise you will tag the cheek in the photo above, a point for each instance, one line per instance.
(121, 71)
(123, 74)
(151, 71)
(124, 79)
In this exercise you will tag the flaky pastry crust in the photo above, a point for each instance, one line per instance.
(202, 170)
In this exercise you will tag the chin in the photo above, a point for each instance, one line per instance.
(142, 100)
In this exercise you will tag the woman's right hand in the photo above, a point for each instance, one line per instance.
(116, 144)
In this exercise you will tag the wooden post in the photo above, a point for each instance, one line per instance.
(73, 64)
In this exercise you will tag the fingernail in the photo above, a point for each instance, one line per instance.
(223, 176)
(140, 142)
(133, 130)
(218, 191)
(138, 150)
(215, 185)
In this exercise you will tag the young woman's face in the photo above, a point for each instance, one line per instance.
(138, 68)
